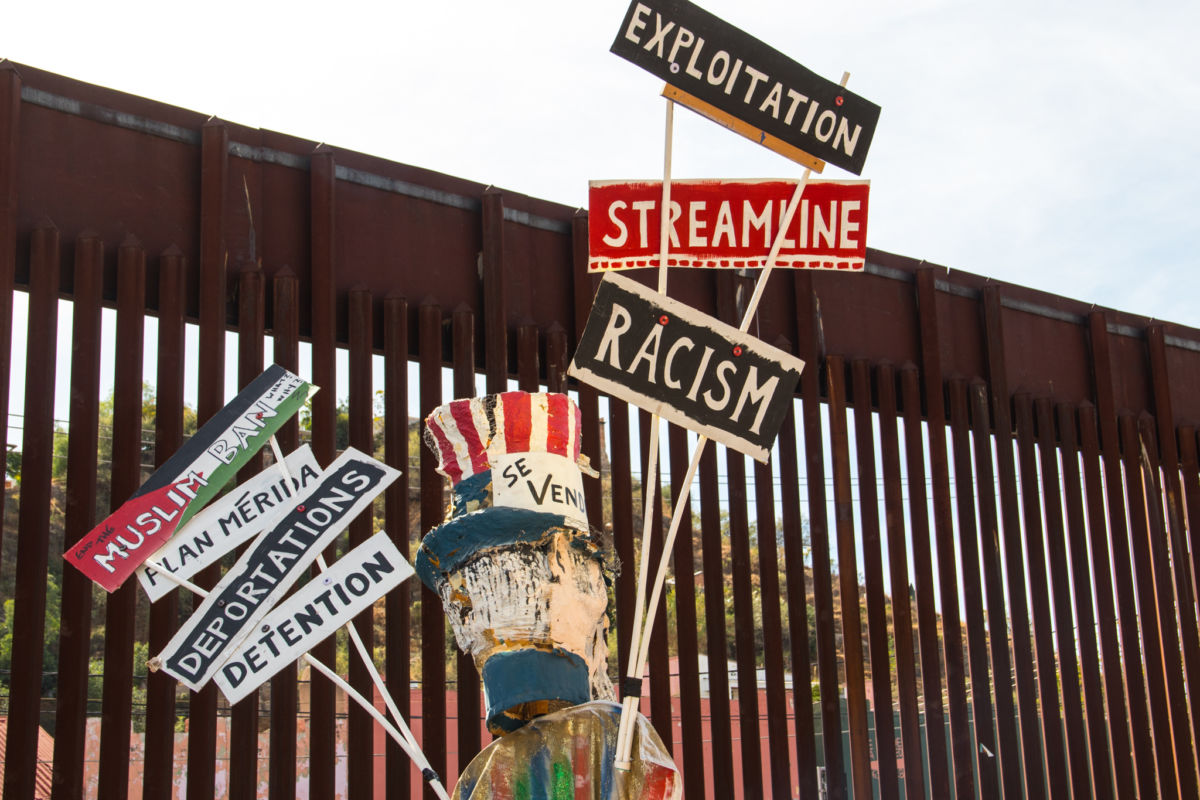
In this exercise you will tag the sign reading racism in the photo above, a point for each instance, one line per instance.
(544, 482)
(228, 522)
(180, 487)
(313, 614)
(269, 567)
(728, 224)
(708, 58)
(685, 366)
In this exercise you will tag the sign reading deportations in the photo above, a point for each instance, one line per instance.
(272, 564)
(728, 224)
(672, 360)
(708, 58)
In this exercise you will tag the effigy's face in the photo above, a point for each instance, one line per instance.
(546, 596)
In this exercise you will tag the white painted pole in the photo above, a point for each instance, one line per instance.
(629, 703)
(171, 577)
(363, 653)
(625, 732)
(413, 752)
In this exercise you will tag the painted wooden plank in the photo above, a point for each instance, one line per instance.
(748, 79)
(727, 120)
(729, 224)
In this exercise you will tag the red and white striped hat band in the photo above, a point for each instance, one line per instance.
(466, 434)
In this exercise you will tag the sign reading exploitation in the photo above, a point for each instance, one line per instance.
(228, 522)
(727, 224)
(269, 567)
(670, 359)
(180, 487)
(312, 614)
(708, 58)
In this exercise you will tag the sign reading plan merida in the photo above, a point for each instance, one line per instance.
(696, 371)
(712, 60)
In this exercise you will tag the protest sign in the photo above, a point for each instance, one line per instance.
(271, 565)
(672, 360)
(728, 69)
(181, 487)
(728, 224)
(230, 521)
(313, 614)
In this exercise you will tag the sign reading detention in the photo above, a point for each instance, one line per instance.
(670, 359)
(269, 567)
(708, 58)
(312, 614)
(728, 224)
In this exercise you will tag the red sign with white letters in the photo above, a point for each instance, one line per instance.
(727, 224)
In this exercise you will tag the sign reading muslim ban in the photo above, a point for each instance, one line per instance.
(709, 59)
(313, 614)
(670, 359)
(271, 565)
(181, 487)
(728, 224)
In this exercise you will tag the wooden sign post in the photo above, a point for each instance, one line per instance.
(741, 83)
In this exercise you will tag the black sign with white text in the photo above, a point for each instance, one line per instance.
(685, 366)
(273, 562)
(708, 58)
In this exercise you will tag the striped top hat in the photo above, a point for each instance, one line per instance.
(467, 434)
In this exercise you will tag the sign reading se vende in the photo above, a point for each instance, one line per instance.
(710, 59)
(727, 224)
(672, 360)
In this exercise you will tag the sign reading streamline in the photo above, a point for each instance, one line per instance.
(276, 559)
(728, 224)
(672, 360)
(706, 57)
(181, 487)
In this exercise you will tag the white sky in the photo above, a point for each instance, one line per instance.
(1051, 145)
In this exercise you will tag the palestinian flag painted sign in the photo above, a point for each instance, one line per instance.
(271, 565)
(176, 492)
(728, 224)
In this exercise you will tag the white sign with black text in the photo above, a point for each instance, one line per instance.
(313, 614)
(271, 565)
(236, 518)
(544, 482)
